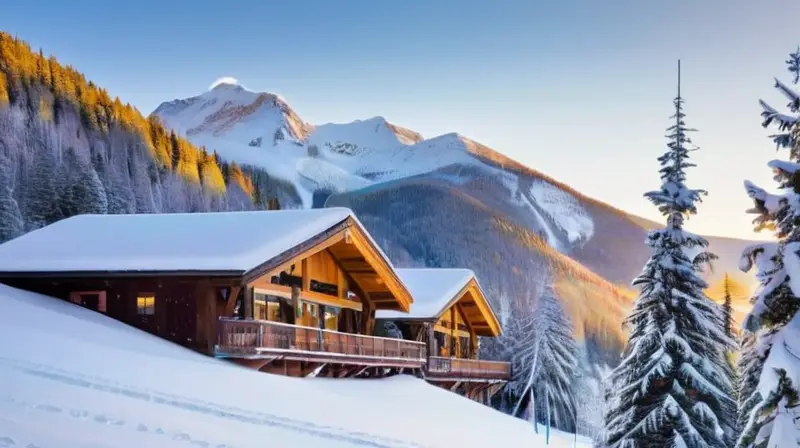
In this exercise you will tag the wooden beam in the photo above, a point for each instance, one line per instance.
(272, 290)
(206, 315)
(247, 302)
(473, 338)
(230, 305)
(306, 274)
(451, 331)
(324, 299)
(341, 279)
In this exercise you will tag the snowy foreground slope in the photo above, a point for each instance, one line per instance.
(72, 377)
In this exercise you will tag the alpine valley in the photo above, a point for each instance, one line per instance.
(68, 148)
(448, 201)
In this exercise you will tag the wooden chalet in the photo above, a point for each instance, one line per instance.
(450, 312)
(292, 292)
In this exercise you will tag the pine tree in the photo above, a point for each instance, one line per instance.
(548, 361)
(727, 308)
(673, 386)
(769, 363)
(11, 224)
(41, 197)
(749, 372)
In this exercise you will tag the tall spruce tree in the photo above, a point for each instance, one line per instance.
(673, 387)
(770, 367)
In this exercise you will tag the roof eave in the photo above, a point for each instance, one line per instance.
(120, 273)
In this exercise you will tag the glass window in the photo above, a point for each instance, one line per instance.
(268, 307)
(309, 314)
(332, 318)
(146, 304)
(440, 344)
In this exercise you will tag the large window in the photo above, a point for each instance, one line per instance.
(145, 304)
(309, 316)
(268, 307)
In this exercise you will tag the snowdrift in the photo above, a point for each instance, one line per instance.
(72, 377)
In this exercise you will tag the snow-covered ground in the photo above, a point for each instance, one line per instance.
(74, 378)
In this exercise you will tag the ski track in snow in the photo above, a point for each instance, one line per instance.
(176, 401)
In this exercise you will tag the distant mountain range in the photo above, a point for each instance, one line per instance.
(445, 201)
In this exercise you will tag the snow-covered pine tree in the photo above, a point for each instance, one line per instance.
(11, 224)
(673, 387)
(549, 362)
(772, 369)
(41, 197)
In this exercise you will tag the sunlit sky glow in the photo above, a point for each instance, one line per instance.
(580, 90)
(224, 80)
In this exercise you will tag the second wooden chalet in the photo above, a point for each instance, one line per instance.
(292, 292)
(450, 312)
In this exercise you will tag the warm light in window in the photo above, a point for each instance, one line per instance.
(146, 305)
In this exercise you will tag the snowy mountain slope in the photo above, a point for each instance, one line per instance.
(80, 379)
(428, 221)
(373, 134)
(373, 158)
(232, 112)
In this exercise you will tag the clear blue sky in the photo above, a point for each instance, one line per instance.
(580, 90)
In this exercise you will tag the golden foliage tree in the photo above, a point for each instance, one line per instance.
(20, 67)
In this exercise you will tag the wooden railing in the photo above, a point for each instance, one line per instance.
(259, 336)
(468, 368)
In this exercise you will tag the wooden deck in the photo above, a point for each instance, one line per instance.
(258, 339)
(448, 369)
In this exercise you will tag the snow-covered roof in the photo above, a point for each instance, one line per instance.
(433, 290)
(231, 241)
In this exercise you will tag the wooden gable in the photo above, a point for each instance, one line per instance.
(473, 306)
(335, 268)
(471, 312)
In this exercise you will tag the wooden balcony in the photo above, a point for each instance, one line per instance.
(449, 369)
(264, 339)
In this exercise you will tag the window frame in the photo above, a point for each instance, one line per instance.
(102, 303)
(145, 296)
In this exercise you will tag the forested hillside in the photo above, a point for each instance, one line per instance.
(67, 147)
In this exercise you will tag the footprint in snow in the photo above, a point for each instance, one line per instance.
(159, 431)
(181, 436)
(201, 443)
(47, 407)
(7, 442)
(77, 413)
(141, 428)
(108, 420)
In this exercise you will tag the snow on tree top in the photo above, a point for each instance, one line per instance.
(232, 241)
(433, 291)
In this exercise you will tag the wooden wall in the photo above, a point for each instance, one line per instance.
(186, 309)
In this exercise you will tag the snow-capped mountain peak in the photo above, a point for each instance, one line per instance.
(233, 113)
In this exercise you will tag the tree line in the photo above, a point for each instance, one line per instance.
(67, 148)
